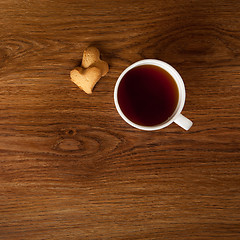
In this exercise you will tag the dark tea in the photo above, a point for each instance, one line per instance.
(148, 95)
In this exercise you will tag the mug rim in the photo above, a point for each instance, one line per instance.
(181, 91)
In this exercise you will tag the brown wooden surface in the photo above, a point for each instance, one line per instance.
(71, 168)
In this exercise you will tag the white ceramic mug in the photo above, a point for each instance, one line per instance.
(176, 117)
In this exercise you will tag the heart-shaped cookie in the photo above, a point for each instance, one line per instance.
(86, 78)
(91, 57)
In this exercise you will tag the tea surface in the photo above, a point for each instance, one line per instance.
(148, 95)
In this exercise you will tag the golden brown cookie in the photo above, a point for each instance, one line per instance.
(92, 69)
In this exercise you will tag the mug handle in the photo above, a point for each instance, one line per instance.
(183, 122)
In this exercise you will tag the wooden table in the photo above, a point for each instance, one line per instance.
(71, 168)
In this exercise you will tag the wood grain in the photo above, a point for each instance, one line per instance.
(70, 168)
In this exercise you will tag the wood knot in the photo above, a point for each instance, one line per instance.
(68, 132)
(68, 145)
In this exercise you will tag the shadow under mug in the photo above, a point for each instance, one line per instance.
(176, 117)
